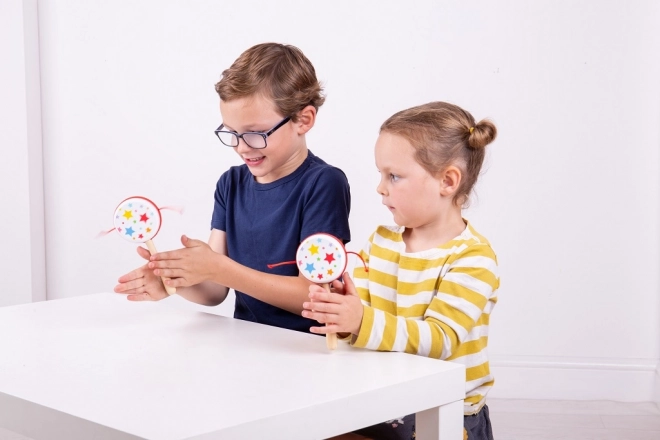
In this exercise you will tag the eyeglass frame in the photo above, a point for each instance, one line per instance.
(263, 134)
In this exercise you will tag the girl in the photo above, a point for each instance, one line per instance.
(431, 283)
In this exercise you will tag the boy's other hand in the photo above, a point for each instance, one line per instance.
(141, 284)
(191, 265)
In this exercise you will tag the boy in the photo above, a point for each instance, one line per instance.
(264, 208)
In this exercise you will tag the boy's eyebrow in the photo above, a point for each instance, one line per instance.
(249, 127)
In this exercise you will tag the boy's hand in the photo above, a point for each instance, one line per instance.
(191, 265)
(141, 284)
(340, 309)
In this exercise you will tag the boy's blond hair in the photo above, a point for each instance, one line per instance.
(276, 71)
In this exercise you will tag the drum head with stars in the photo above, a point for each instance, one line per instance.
(137, 219)
(321, 258)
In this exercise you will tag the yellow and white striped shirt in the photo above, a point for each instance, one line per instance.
(434, 303)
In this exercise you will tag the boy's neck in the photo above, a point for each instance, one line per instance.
(286, 169)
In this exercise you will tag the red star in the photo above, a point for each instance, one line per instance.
(329, 258)
(144, 218)
(140, 236)
(319, 276)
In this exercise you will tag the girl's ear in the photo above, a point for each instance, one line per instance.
(306, 119)
(450, 180)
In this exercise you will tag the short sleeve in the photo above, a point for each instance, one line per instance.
(219, 218)
(327, 205)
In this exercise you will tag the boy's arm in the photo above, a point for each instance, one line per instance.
(207, 292)
(142, 284)
(285, 292)
(200, 272)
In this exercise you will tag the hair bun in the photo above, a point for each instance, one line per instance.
(482, 134)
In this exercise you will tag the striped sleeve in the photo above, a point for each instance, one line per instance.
(462, 295)
(361, 276)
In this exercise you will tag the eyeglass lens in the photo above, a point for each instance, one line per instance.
(253, 140)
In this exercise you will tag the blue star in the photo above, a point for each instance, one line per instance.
(310, 267)
(129, 231)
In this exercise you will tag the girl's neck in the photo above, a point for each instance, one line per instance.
(434, 234)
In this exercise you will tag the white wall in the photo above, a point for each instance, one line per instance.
(570, 193)
(22, 255)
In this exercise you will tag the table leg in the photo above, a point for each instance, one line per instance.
(442, 423)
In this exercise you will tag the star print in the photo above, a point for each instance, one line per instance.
(310, 267)
(129, 231)
(319, 276)
(144, 218)
(128, 214)
(140, 236)
(329, 258)
(314, 249)
(148, 230)
(330, 272)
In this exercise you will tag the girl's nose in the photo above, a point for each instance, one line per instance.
(380, 189)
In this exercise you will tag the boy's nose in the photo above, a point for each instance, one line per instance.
(380, 189)
(242, 147)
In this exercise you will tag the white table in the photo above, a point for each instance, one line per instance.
(101, 367)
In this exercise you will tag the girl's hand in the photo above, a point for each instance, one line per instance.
(141, 284)
(191, 265)
(340, 309)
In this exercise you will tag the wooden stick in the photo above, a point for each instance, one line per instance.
(169, 289)
(330, 338)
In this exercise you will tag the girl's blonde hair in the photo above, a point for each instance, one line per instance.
(444, 134)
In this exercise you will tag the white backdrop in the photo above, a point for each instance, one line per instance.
(570, 191)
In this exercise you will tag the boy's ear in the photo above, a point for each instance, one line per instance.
(450, 180)
(306, 119)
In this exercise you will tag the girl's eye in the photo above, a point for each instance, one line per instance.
(394, 177)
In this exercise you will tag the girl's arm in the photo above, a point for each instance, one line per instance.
(462, 303)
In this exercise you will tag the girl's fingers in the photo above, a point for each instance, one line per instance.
(325, 296)
(320, 307)
(331, 328)
(323, 318)
(349, 286)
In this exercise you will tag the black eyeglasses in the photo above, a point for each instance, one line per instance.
(253, 139)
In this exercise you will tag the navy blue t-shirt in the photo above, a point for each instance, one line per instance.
(265, 222)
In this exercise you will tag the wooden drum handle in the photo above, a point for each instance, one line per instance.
(330, 338)
(169, 289)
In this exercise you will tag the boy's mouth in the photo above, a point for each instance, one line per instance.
(252, 161)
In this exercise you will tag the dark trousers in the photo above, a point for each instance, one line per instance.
(477, 427)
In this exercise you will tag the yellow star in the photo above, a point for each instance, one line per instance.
(314, 249)
(128, 214)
